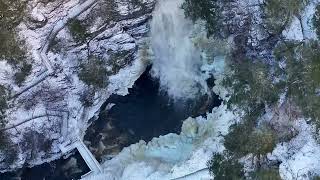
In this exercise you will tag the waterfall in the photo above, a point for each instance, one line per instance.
(177, 61)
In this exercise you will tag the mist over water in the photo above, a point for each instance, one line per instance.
(177, 61)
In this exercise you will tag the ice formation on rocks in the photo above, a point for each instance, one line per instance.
(177, 61)
(173, 155)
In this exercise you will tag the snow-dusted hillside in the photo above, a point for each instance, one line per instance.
(49, 102)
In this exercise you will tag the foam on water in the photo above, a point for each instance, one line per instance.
(177, 61)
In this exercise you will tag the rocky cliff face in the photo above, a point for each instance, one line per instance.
(79, 53)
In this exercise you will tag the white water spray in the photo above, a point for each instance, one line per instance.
(177, 61)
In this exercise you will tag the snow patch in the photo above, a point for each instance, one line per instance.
(294, 31)
(300, 157)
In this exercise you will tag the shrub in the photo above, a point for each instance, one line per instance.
(78, 30)
(253, 89)
(87, 97)
(266, 174)
(302, 75)
(3, 105)
(249, 137)
(93, 72)
(244, 139)
(35, 142)
(23, 72)
(8, 148)
(106, 9)
(56, 45)
(279, 13)
(251, 84)
(3, 98)
(11, 13)
(224, 166)
(207, 10)
(316, 20)
(10, 48)
(237, 140)
(119, 59)
(262, 141)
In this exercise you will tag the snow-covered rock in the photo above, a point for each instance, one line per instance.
(302, 28)
(49, 100)
(300, 157)
(295, 31)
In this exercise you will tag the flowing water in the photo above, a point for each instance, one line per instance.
(177, 61)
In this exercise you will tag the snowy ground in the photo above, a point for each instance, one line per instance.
(53, 100)
(300, 157)
(302, 29)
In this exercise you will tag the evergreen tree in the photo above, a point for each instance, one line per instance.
(206, 10)
(316, 20)
(302, 75)
(226, 167)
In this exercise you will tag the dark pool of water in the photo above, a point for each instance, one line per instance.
(148, 113)
(143, 114)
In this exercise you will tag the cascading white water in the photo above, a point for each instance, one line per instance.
(177, 61)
